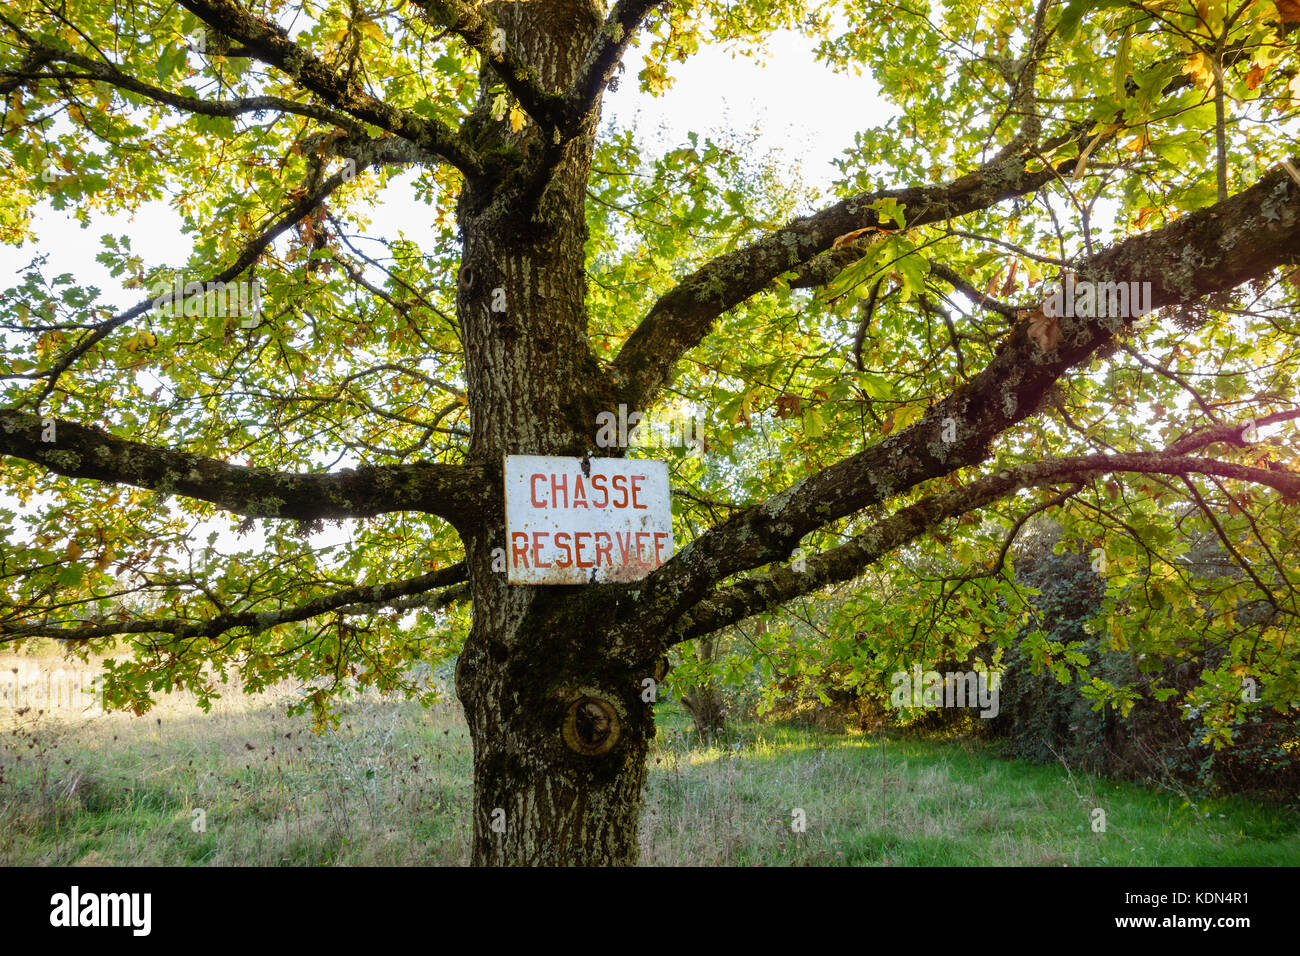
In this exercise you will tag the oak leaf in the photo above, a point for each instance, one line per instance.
(788, 406)
(1044, 329)
(1009, 286)
(848, 237)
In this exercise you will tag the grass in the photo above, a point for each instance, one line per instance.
(393, 786)
(899, 801)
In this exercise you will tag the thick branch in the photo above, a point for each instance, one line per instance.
(620, 27)
(683, 316)
(361, 599)
(448, 491)
(271, 44)
(847, 561)
(1231, 433)
(1208, 251)
(480, 32)
(1022, 75)
(96, 71)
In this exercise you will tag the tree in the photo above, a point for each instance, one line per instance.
(902, 343)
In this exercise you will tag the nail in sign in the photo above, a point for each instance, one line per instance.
(585, 520)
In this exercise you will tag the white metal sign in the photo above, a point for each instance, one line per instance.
(585, 520)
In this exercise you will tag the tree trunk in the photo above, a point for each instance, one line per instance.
(559, 760)
(558, 727)
(703, 702)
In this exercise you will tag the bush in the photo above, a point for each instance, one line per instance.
(1042, 719)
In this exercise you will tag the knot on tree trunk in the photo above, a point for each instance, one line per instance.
(591, 726)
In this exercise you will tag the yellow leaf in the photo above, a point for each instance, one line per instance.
(517, 118)
(1201, 68)
(1137, 143)
(655, 78)
(140, 342)
(907, 414)
(848, 237)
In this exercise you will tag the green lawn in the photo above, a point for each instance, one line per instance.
(893, 800)
(392, 786)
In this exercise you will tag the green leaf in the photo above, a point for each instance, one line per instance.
(1123, 66)
(876, 386)
(814, 425)
(889, 210)
(1068, 25)
(168, 60)
(914, 269)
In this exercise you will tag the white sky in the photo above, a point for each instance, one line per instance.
(798, 104)
(800, 107)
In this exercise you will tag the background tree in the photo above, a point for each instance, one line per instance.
(1124, 141)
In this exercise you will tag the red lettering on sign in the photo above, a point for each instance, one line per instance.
(518, 551)
(559, 485)
(579, 495)
(533, 488)
(639, 559)
(636, 489)
(619, 484)
(537, 549)
(562, 545)
(598, 484)
(605, 548)
(624, 544)
(577, 549)
(661, 539)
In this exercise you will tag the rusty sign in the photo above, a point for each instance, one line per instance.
(585, 520)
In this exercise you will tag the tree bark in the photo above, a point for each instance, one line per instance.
(559, 762)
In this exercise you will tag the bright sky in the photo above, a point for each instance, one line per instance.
(799, 106)
(802, 108)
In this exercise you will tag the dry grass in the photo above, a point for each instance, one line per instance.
(392, 786)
